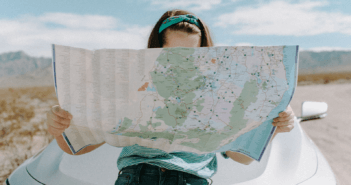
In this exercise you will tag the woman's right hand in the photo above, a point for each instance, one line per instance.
(58, 120)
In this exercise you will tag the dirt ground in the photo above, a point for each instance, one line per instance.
(23, 131)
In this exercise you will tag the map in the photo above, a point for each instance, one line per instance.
(209, 99)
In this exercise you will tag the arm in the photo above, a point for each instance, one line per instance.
(63, 145)
(57, 121)
(284, 123)
(238, 157)
(241, 158)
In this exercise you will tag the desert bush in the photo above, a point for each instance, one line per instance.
(323, 78)
(23, 131)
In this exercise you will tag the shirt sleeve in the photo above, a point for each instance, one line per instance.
(224, 155)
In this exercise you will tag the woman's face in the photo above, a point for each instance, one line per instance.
(181, 39)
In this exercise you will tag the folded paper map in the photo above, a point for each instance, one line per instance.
(201, 100)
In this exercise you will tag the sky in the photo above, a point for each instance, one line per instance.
(33, 26)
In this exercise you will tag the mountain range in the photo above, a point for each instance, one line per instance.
(324, 62)
(17, 69)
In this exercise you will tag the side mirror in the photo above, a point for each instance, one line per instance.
(313, 110)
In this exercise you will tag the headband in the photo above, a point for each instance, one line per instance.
(179, 18)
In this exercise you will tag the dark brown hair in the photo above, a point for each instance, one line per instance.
(157, 40)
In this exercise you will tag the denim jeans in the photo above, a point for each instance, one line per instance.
(146, 174)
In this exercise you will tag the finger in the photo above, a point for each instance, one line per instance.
(282, 114)
(63, 113)
(278, 119)
(284, 123)
(58, 125)
(61, 120)
(60, 112)
(283, 118)
(55, 132)
(290, 117)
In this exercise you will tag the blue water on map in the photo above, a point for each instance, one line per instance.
(155, 109)
(151, 89)
(258, 77)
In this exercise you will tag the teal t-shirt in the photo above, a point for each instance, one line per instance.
(202, 165)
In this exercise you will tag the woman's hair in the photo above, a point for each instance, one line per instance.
(156, 40)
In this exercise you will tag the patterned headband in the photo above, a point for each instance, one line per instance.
(179, 18)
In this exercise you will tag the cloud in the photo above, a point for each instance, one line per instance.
(35, 34)
(283, 18)
(191, 5)
(79, 21)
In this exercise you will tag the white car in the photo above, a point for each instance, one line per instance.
(291, 158)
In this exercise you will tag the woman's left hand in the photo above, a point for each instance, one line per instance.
(285, 121)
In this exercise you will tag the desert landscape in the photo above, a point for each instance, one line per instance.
(23, 130)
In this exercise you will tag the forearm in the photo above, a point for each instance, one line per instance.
(241, 158)
(63, 145)
(238, 157)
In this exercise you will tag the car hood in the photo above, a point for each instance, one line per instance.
(289, 159)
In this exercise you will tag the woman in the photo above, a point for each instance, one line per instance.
(138, 164)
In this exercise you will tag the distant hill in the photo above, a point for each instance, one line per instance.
(18, 63)
(17, 69)
(37, 78)
(324, 62)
